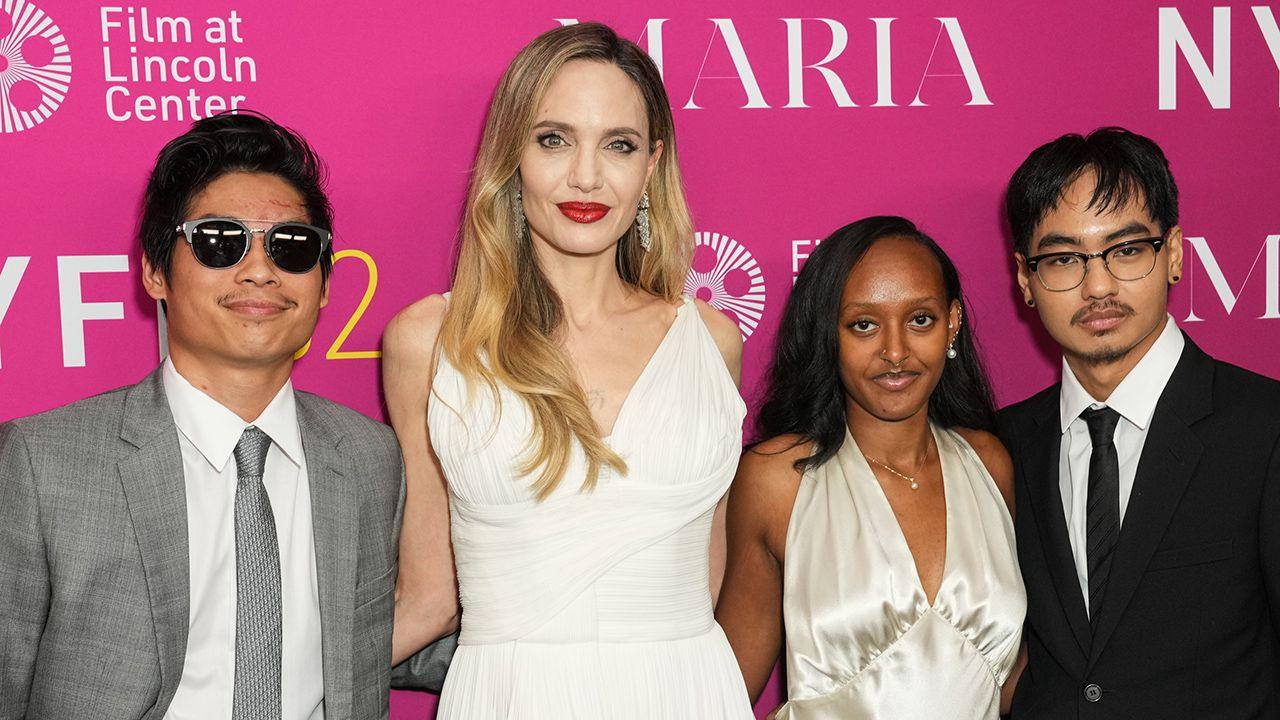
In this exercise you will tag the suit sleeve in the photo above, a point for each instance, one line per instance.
(24, 574)
(1269, 536)
(425, 670)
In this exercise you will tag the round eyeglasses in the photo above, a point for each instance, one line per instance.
(222, 242)
(1129, 260)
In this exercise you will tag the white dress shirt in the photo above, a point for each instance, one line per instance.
(1135, 399)
(207, 434)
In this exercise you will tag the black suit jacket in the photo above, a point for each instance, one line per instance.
(1188, 625)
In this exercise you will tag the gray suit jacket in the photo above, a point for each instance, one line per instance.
(94, 604)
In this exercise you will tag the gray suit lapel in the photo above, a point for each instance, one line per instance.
(335, 523)
(154, 489)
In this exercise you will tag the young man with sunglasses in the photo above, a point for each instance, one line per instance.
(209, 542)
(1148, 480)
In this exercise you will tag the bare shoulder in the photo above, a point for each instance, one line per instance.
(409, 354)
(778, 451)
(767, 470)
(724, 331)
(994, 457)
(765, 489)
(413, 330)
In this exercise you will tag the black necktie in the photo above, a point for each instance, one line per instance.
(1103, 507)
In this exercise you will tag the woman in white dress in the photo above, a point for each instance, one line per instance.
(873, 524)
(581, 416)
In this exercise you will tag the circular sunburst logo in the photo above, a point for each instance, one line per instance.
(726, 276)
(35, 66)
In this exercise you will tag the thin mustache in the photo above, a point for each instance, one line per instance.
(236, 297)
(1113, 305)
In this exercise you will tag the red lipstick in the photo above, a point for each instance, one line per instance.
(583, 212)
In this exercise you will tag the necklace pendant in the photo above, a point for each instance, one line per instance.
(915, 485)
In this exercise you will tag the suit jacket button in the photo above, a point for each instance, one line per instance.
(1092, 692)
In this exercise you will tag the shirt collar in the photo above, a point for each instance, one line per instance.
(214, 430)
(1136, 396)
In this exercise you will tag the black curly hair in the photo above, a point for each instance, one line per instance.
(244, 141)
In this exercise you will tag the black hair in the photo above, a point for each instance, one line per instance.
(213, 147)
(804, 395)
(1128, 167)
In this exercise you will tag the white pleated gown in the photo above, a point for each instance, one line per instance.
(594, 604)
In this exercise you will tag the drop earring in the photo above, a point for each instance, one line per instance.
(642, 222)
(517, 213)
(951, 353)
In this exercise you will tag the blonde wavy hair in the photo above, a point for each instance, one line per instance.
(503, 312)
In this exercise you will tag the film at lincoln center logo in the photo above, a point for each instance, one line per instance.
(35, 66)
(725, 275)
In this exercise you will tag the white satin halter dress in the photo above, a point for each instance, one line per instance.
(594, 605)
(863, 641)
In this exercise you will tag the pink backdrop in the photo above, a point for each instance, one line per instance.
(924, 115)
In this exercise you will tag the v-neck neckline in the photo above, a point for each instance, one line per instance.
(904, 546)
(644, 371)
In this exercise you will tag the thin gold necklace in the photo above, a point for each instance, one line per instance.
(914, 485)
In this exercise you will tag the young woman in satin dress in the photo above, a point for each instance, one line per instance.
(873, 524)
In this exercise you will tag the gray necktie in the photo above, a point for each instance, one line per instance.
(258, 635)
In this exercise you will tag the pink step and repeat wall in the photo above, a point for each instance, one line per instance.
(794, 117)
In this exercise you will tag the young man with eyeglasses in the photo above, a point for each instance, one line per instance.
(209, 542)
(1148, 480)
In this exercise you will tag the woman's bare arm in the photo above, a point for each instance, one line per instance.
(426, 589)
(750, 606)
(1011, 683)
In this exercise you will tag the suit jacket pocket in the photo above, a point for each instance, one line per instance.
(1191, 555)
(375, 588)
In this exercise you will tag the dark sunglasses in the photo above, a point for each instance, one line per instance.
(220, 242)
